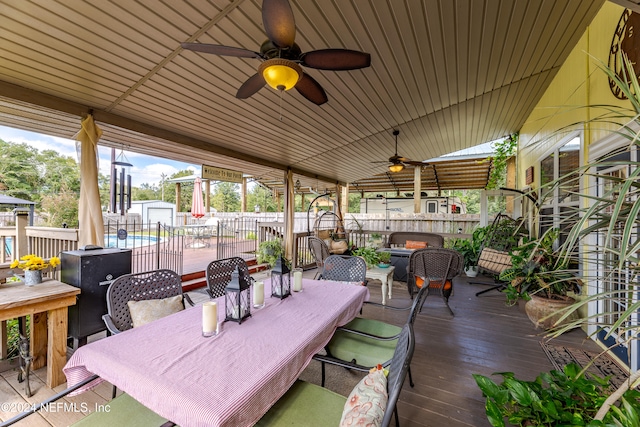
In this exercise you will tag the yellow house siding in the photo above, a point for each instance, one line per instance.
(578, 83)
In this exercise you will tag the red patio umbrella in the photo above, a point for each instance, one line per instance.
(197, 205)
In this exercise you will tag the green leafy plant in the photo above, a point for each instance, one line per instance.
(503, 151)
(370, 255)
(555, 398)
(538, 269)
(470, 248)
(269, 251)
(384, 257)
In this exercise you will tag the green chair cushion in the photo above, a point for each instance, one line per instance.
(365, 351)
(305, 405)
(123, 411)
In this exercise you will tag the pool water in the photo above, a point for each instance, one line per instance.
(132, 241)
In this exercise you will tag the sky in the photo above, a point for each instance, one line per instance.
(146, 169)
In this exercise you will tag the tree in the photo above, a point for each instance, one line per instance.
(261, 196)
(61, 209)
(19, 171)
(226, 197)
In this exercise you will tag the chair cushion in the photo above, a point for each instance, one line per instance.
(366, 351)
(305, 404)
(415, 244)
(123, 411)
(433, 283)
(366, 404)
(143, 312)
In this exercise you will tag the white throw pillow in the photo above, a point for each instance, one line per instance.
(143, 312)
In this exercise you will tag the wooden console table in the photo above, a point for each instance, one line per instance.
(47, 304)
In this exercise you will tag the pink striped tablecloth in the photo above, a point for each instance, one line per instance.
(231, 379)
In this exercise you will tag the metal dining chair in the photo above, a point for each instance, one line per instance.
(310, 405)
(218, 274)
(149, 285)
(438, 266)
(344, 268)
(365, 343)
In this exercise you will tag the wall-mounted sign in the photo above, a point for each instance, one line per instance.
(219, 174)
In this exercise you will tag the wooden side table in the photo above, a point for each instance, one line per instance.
(47, 303)
(385, 275)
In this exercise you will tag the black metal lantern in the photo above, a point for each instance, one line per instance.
(280, 279)
(237, 298)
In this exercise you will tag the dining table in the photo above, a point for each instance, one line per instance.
(229, 379)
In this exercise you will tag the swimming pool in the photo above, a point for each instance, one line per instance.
(132, 241)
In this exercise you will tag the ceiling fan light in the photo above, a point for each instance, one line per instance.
(396, 167)
(280, 74)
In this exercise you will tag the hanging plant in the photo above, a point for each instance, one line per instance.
(504, 150)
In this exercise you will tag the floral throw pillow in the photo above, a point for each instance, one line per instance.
(146, 311)
(367, 402)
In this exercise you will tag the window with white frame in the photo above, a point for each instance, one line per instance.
(560, 186)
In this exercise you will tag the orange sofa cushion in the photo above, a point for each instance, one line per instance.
(415, 244)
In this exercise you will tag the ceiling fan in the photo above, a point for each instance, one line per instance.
(282, 57)
(398, 162)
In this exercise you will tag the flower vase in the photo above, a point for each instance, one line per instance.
(32, 277)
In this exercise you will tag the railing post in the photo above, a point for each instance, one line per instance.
(22, 242)
(158, 245)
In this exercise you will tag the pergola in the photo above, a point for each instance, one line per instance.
(448, 75)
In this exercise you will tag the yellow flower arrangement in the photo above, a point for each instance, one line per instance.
(33, 262)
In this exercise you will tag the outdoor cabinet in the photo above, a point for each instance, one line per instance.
(400, 260)
(92, 271)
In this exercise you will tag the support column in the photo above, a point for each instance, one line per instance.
(243, 195)
(289, 200)
(417, 189)
(207, 197)
(178, 200)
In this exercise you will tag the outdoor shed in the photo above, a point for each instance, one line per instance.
(153, 211)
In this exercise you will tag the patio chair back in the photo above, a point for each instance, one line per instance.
(157, 284)
(398, 371)
(436, 265)
(319, 250)
(344, 268)
(219, 274)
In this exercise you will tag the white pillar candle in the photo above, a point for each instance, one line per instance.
(209, 318)
(258, 294)
(297, 279)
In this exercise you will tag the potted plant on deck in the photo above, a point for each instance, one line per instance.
(542, 277)
(470, 250)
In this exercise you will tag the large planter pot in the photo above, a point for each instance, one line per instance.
(544, 312)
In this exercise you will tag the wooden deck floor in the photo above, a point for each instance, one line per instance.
(483, 337)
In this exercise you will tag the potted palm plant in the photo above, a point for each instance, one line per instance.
(542, 277)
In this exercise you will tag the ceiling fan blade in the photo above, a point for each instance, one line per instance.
(336, 59)
(221, 50)
(311, 89)
(278, 21)
(414, 163)
(251, 86)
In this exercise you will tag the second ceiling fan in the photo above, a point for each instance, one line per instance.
(283, 58)
(397, 163)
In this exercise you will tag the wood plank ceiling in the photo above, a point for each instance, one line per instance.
(448, 74)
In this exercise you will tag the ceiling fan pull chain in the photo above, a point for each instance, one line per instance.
(281, 92)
